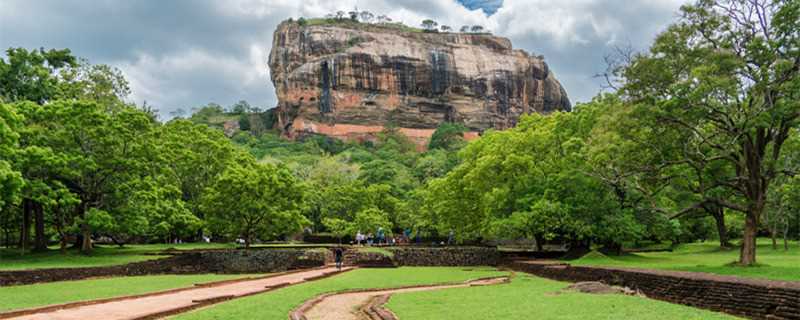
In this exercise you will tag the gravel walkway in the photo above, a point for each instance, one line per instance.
(347, 306)
(152, 306)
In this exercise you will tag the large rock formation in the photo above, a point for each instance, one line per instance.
(349, 80)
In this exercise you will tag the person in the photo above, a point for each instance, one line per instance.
(359, 237)
(381, 236)
(450, 237)
(369, 239)
(337, 255)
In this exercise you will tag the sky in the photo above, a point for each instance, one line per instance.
(181, 54)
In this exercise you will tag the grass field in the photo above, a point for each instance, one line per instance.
(277, 304)
(28, 296)
(528, 297)
(12, 259)
(376, 250)
(708, 257)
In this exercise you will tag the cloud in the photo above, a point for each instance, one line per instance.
(186, 53)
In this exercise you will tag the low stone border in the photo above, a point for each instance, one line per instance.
(378, 310)
(50, 308)
(744, 297)
(375, 310)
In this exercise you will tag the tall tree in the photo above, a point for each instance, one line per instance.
(429, 25)
(196, 155)
(257, 200)
(95, 151)
(725, 79)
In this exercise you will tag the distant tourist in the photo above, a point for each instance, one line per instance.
(359, 237)
(381, 236)
(337, 255)
(451, 237)
(369, 239)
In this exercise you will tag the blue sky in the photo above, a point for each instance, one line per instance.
(186, 53)
(488, 6)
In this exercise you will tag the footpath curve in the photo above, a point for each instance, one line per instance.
(368, 304)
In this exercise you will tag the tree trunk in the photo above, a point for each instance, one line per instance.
(86, 232)
(86, 245)
(718, 213)
(539, 243)
(773, 234)
(63, 244)
(786, 235)
(40, 242)
(25, 233)
(7, 232)
(747, 255)
(117, 242)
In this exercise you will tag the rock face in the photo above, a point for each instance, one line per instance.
(349, 81)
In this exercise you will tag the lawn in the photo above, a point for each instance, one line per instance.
(708, 257)
(11, 259)
(277, 304)
(528, 297)
(27, 296)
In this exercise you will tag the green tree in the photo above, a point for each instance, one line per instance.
(196, 155)
(429, 25)
(10, 179)
(89, 150)
(448, 136)
(33, 75)
(724, 78)
(259, 200)
(531, 181)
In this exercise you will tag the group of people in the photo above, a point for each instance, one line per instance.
(378, 239)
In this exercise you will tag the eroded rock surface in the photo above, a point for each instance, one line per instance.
(350, 80)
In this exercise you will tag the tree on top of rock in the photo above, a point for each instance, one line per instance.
(366, 16)
(429, 25)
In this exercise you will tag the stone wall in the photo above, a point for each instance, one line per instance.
(261, 260)
(182, 264)
(751, 298)
(193, 262)
(445, 256)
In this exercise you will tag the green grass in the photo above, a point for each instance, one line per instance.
(382, 251)
(28, 296)
(277, 304)
(11, 259)
(528, 297)
(708, 257)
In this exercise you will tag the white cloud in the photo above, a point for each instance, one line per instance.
(184, 53)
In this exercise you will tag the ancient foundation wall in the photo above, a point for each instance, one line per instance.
(445, 256)
(751, 298)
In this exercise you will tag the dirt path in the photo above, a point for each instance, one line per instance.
(347, 306)
(152, 307)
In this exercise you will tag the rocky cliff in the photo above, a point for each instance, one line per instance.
(349, 80)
